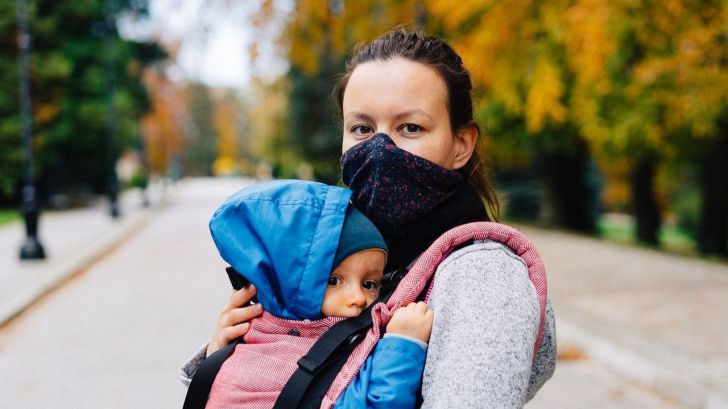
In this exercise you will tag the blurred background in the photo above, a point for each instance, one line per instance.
(600, 119)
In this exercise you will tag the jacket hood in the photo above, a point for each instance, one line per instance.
(282, 236)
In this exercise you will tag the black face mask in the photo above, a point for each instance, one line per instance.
(392, 186)
(410, 199)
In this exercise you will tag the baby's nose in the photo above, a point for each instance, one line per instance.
(357, 297)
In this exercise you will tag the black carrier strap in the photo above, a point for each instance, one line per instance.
(318, 368)
(199, 389)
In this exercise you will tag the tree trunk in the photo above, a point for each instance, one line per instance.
(644, 202)
(571, 189)
(713, 233)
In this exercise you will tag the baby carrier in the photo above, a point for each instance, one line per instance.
(336, 356)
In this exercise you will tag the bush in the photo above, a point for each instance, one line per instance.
(686, 205)
(139, 180)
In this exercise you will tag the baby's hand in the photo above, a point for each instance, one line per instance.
(414, 320)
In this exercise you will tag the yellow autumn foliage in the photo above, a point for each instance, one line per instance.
(543, 101)
(224, 120)
(161, 127)
(571, 61)
(318, 30)
(623, 72)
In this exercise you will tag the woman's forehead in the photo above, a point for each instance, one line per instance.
(394, 86)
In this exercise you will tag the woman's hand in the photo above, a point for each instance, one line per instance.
(233, 322)
(414, 320)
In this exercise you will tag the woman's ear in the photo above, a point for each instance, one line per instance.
(465, 140)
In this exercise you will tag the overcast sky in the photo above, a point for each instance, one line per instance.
(214, 38)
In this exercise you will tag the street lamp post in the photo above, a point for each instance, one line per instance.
(112, 182)
(32, 248)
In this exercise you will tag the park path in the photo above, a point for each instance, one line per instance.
(114, 335)
(657, 319)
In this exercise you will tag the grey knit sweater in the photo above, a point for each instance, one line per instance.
(486, 322)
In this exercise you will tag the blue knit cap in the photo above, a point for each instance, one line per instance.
(357, 234)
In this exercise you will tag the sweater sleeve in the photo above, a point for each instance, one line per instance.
(486, 322)
(545, 363)
(189, 368)
(389, 377)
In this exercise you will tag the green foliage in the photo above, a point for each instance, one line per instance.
(622, 229)
(76, 62)
(313, 132)
(687, 208)
(8, 216)
(139, 180)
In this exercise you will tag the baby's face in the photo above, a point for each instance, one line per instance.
(354, 284)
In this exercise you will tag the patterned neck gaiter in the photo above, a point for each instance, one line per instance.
(392, 186)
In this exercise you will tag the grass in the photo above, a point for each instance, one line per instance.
(8, 216)
(622, 228)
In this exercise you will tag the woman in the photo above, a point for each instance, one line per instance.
(410, 158)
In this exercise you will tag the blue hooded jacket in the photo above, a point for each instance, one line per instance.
(282, 236)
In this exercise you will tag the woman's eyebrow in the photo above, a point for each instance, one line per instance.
(404, 114)
(362, 116)
(409, 112)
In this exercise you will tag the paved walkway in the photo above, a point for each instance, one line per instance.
(636, 328)
(113, 337)
(73, 240)
(659, 320)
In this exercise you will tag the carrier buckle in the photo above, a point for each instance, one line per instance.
(308, 365)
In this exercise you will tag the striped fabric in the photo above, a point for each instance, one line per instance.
(254, 375)
(415, 280)
(257, 371)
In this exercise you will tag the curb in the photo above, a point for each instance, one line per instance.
(39, 278)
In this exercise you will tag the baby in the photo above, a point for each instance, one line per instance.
(314, 261)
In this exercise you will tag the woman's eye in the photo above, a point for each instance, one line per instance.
(370, 285)
(411, 129)
(334, 280)
(361, 130)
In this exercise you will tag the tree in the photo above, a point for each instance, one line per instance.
(628, 77)
(564, 84)
(268, 131)
(201, 137)
(663, 77)
(163, 126)
(517, 59)
(70, 88)
(229, 125)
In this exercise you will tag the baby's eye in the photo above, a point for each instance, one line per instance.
(362, 130)
(333, 281)
(370, 285)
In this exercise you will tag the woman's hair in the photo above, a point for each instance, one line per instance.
(437, 54)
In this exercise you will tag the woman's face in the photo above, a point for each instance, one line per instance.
(407, 101)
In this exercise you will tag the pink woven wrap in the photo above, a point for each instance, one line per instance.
(254, 375)
(415, 280)
(257, 371)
